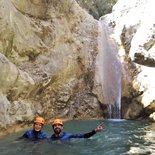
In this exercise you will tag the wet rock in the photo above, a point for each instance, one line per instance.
(133, 29)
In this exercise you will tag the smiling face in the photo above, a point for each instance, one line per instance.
(37, 126)
(57, 128)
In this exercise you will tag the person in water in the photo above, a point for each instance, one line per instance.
(57, 126)
(35, 133)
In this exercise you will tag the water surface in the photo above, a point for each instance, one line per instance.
(120, 137)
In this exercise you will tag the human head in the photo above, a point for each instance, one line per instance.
(38, 123)
(57, 125)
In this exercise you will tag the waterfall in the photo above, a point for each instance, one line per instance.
(110, 71)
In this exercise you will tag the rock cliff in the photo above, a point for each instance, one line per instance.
(134, 30)
(48, 51)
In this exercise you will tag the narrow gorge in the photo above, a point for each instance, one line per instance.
(50, 61)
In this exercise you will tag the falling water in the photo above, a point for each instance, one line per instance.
(110, 71)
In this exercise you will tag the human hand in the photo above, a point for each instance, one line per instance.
(99, 128)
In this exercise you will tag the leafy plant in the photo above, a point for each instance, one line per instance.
(97, 8)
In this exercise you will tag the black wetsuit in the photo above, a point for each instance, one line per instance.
(66, 136)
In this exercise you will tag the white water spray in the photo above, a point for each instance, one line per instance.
(110, 71)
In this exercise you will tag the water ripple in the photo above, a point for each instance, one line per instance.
(121, 137)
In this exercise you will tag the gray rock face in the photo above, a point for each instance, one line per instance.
(48, 51)
(134, 30)
(48, 60)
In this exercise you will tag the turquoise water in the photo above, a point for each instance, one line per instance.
(120, 137)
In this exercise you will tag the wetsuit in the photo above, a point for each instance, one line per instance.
(66, 136)
(34, 135)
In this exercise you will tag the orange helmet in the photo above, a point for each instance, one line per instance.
(57, 121)
(39, 120)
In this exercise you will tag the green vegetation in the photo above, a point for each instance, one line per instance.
(97, 8)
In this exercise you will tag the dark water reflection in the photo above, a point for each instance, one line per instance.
(121, 137)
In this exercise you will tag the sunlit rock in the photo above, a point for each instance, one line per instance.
(152, 117)
(133, 23)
